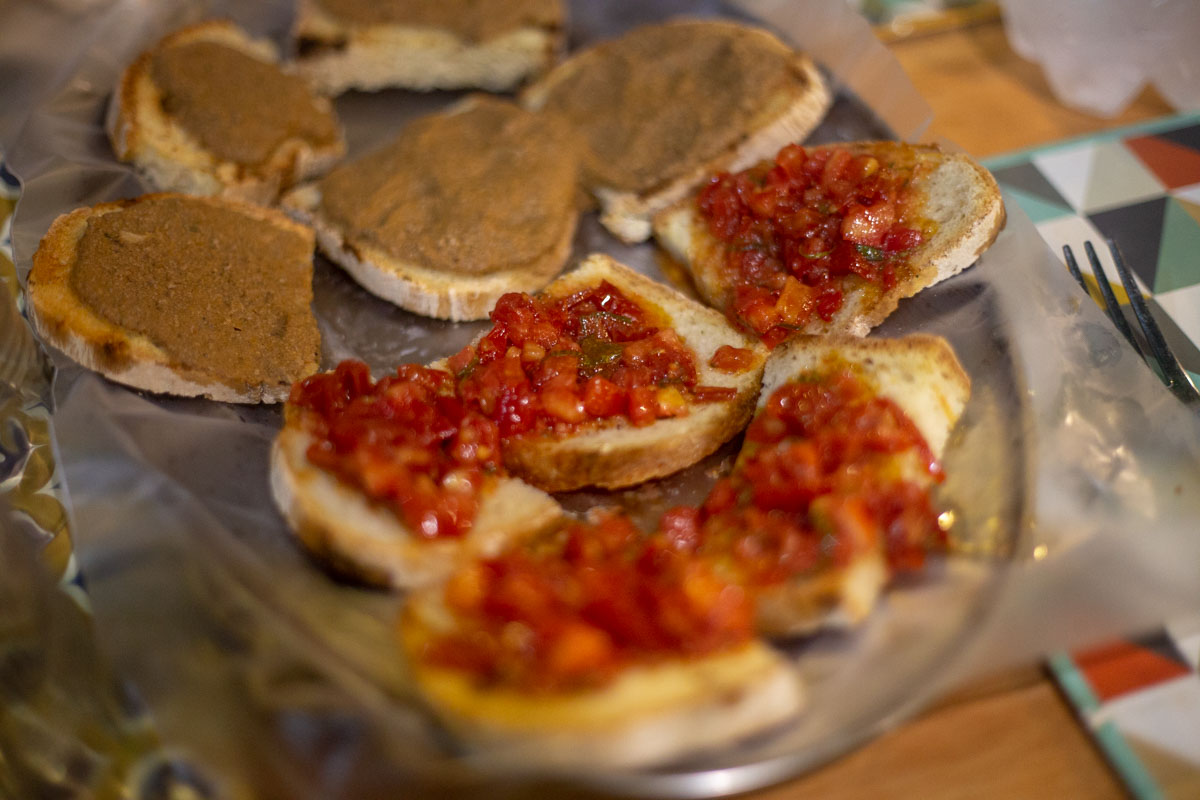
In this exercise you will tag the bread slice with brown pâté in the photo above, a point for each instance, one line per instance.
(453, 44)
(461, 207)
(209, 110)
(193, 296)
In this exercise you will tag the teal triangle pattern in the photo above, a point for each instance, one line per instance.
(1038, 209)
(1179, 251)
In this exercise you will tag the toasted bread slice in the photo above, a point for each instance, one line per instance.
(615, 453)
(429, 221)
(178, 117)
(919, 373)
(657, 707)
(666, 105)
(368, 543)
(959, 199)
(183, 295)
(495, 45)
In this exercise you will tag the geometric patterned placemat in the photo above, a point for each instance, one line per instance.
(1140, 186)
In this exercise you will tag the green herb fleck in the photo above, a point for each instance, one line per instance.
(597, 352)
(869, 253)
(466, 371)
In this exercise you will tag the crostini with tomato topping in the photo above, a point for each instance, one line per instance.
(595, 646)
(395, 482)
(608, 379)
(831, 494)
(829, 239)
(210, 110)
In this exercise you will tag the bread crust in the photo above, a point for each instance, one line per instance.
(787, 117)
(650, 714)
(618, 454)
(127, 357)
(335, 56)
(961, 197)
(341, 528)
(172, 159)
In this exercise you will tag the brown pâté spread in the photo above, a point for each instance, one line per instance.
(484, 189)
(219, 291)
(663, 99)
(239, 108)
(473, 20)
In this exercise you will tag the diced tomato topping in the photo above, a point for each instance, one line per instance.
(900, 239)
(681, 528)
(555, 363)
(868, 224)
(797, 227)
(406, 442)
(643, 406)
(603, 398)
(829, 471)
(572, 612)
(728, 358)
(563, 404)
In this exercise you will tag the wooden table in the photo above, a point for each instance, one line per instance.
(1013, 736)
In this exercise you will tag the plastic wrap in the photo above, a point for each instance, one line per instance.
(1074, 475)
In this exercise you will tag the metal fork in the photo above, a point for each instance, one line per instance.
(1155, 352)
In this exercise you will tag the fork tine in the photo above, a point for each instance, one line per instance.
(1110, 300)
(1073, 268)
(1177, 380)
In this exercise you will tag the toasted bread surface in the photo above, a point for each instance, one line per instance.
(363, 540)
(424, 46)
(616, 453)
(156, 131)
(959, 197)
(650, 714)
(430, 221)
(666, 105)
(228, 356)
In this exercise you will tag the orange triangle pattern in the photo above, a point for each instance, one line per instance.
(1173, 164)
(1122, 667)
